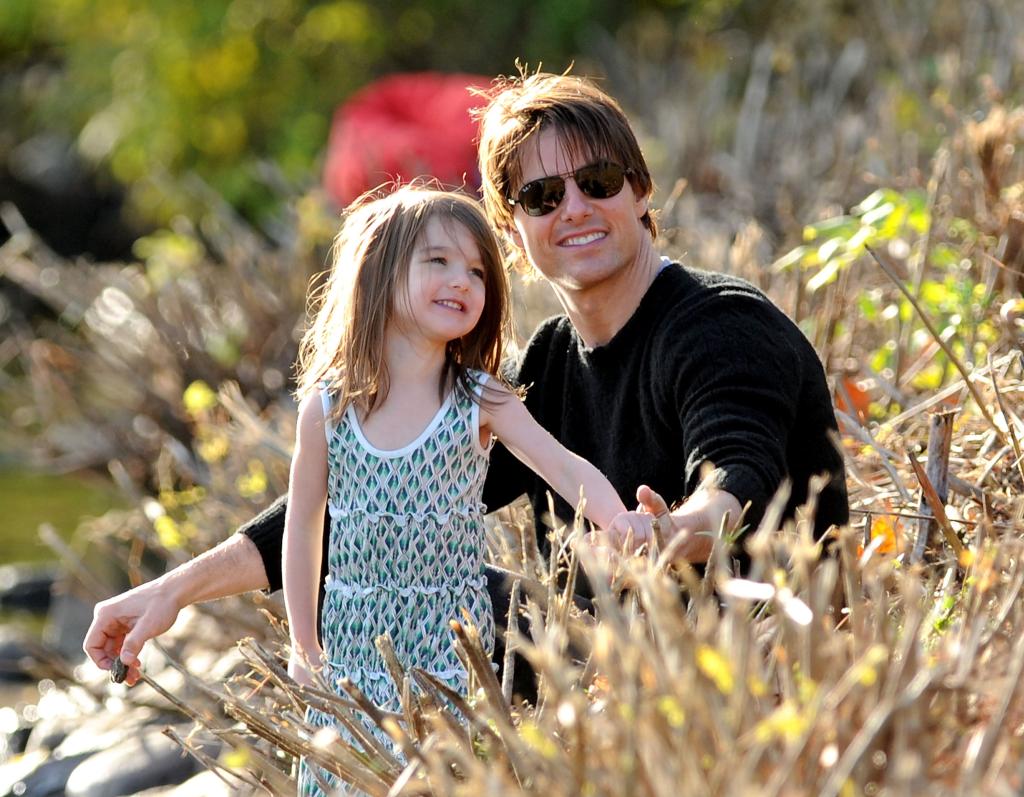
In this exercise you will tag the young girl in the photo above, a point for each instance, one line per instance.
(398, 410)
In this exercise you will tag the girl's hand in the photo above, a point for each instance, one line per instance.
(628, 533)
(299, 668)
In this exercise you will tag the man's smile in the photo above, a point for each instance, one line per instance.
(582, 240)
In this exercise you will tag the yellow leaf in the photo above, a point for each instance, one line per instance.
(757, 687)
(234, 758)
(786, 722)
(168, 533)
(538, 740)
(672, 711)
(716, 667)
(213, 448)
(253, 483)
(199, 397)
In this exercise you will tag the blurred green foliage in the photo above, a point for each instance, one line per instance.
(241, 92)
(31, 498)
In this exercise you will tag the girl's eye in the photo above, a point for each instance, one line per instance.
(477, 272)
(439, 260)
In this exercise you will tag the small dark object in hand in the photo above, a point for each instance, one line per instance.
(118, 671)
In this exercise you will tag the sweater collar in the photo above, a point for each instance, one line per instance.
(639, 320)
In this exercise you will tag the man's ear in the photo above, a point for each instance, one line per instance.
(642, 206)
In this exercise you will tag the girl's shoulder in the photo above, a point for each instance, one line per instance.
(486, 386)
(479, 378)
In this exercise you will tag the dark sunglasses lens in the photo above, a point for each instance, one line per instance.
(601, 180)
(540, 197)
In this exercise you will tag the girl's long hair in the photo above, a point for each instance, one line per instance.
(344, 346)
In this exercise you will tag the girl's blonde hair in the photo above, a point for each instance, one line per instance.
(344, 346)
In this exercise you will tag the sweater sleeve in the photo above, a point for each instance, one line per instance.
(507, 479)
(266, 530)
(737, 390)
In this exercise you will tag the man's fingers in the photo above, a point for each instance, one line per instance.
(650, 501)
(133, 643)
(103, 640)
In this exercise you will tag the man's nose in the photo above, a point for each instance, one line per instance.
(575, 204)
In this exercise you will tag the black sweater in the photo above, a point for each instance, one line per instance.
(707, 370)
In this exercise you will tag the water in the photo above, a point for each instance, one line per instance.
(29, 498)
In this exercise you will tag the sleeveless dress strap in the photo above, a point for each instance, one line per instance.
(325, 402)
(480, 378)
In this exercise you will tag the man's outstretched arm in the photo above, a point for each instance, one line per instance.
(124, 623)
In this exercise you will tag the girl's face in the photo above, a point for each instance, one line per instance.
(445, 293)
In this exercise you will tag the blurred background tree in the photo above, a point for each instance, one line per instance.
(241, 92)
(177, 144)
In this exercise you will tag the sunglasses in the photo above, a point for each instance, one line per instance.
(600, 180)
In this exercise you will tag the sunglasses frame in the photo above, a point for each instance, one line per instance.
(517, 200)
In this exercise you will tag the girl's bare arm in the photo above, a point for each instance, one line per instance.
(567, 473)
(303, 529)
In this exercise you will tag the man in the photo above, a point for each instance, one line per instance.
(654, 373)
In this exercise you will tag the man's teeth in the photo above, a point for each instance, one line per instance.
(579, 240)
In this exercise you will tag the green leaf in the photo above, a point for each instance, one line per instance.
(870, 202)
(945, 256)
(867, 306)
(827, 274)
(878, 214)
(837, 226)
(790, 259)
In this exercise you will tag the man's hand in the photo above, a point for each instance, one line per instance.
(704, 511)
(122, 625)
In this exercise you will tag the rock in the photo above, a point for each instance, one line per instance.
(13, 742)
(108, 729)
(48, 779)
(47, 734)
(26, 587)
(15, 655)
(206, 783)
(135, 764)
(68, 620)
(12, 772)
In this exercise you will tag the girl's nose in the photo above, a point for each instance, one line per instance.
(459, 279)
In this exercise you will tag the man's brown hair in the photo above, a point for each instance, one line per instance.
(589, 123)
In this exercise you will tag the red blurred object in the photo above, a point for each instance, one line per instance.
(859, 398)
(404, 126)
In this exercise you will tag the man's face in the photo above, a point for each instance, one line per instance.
(584, 241)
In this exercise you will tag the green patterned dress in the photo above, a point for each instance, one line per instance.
(406, 552)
